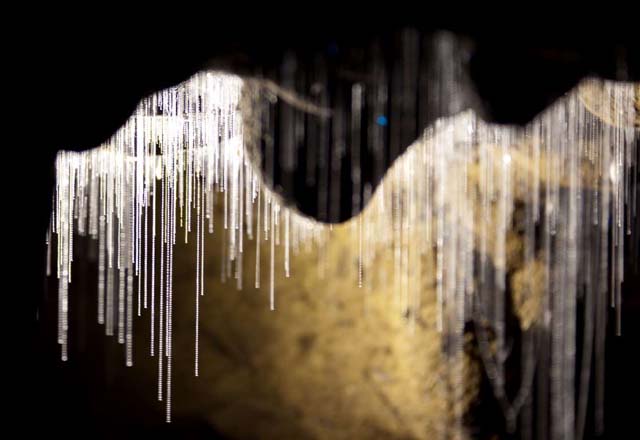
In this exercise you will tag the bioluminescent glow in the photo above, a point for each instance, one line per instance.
(566, 185)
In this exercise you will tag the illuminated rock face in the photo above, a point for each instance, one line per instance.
(340, 361)
(332, 361)
(370, 335)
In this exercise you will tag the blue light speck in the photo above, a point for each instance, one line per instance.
(382, 120)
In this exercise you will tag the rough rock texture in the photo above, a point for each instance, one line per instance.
(333, 361)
